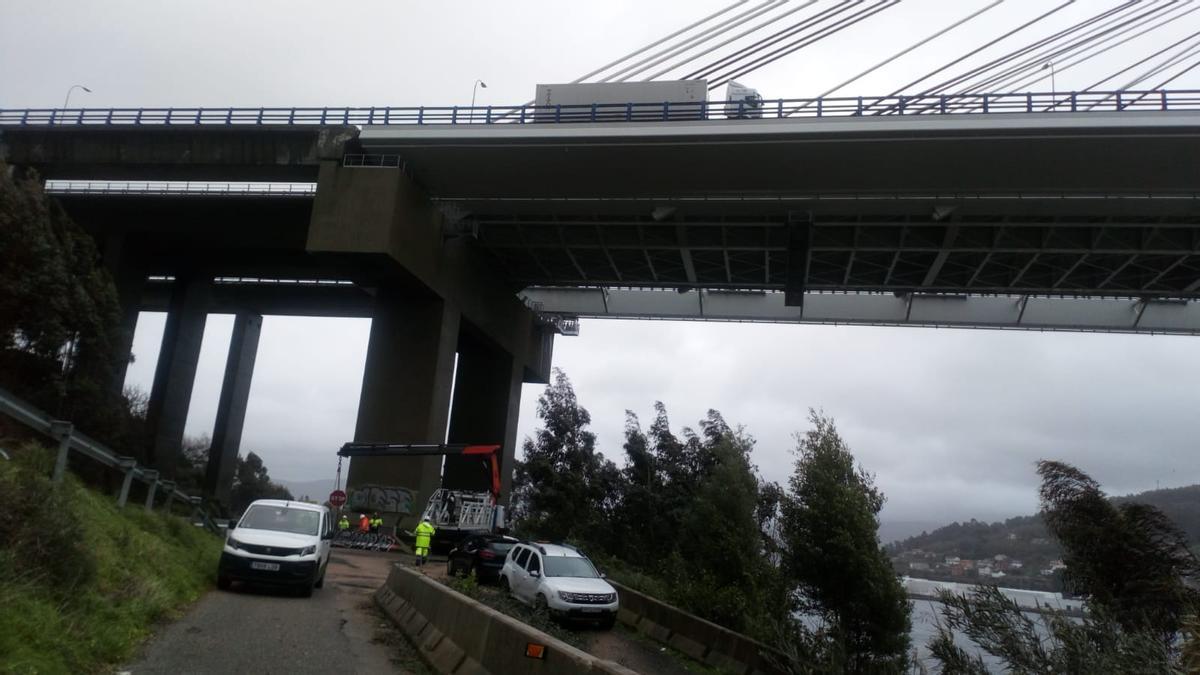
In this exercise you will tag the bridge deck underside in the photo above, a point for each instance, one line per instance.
(978, 253)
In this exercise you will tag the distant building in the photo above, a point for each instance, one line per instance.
(952, 560)
(1012, 536)
(919, 566)
(1000, 557)
(997, 574)
(1039, 541)
(1015, 564)
(985, 570)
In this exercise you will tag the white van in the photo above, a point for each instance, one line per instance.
(278, 542)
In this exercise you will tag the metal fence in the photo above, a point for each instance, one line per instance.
(142, 187)
(69, 439)
(921, 104)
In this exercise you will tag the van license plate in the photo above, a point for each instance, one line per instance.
(592, 610)
(265, 566)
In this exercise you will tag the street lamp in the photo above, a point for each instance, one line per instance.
(474, 88)
(1053, 86)
(67, 100)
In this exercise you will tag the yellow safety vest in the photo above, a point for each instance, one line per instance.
(424, 532)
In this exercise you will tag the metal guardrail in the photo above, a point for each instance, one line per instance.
(141, 188)
(70, 439)
(783, 108)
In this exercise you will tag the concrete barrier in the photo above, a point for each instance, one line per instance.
(702, 640)
(460, 636)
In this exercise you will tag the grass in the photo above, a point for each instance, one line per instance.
(81, 582)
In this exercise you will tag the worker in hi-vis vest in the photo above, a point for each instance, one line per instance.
(343, 523)
(424, 533)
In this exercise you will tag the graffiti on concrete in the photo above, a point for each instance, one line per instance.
(385, 499)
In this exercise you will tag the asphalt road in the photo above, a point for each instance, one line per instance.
(255, 630)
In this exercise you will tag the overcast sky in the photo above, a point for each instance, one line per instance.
(950, 421)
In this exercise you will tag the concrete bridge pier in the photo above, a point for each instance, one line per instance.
(175, 372)
(405, 394)
(231, 408)
(487, 402)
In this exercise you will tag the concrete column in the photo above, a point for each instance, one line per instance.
(405, 399)
(487, 402)
(129, 277)
(231, 408)
(175, 373)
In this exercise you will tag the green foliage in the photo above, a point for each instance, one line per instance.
(832, 552)
(109, 573)
(564, 489)
(1130, 560)
(59, 315)
(251, 481)
(1095, 644)
(1134, 566)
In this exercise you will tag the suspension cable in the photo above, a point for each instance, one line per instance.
(733, 39)
(774, 38)
(699, 38)
(838, 27)
(897, 55)
(1103, 34)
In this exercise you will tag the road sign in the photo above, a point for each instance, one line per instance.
(337, 497)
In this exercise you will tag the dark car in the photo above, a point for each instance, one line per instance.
(480, 554)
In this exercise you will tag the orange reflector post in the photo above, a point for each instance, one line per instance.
(535, 651)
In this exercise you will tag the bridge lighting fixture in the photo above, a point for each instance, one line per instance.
(475, 88)
(1053, 85)
(67, 100)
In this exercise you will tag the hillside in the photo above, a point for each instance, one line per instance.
(1018, 551)
(81, 582)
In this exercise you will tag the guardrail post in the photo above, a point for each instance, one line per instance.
(61, 430)
(1120, 106)
(820, 107)
(1029, 101)
(942, 103)
(168, 487)
(629, 112)
(151, 476)
(488, 118)
(126, 464)
(1163, 94)
(779, 109)
(985, 103)
(860, 110)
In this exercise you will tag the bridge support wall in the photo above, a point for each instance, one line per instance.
(405, 398)
(487, 402)
(175, 373)
(432, 286)
(231, 407)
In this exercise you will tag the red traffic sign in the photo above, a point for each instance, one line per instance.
(337, 497)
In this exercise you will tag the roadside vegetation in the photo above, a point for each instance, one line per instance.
(688, 519)
(81, 582)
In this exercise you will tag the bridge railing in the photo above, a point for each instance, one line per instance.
(71, 440)
(857, 106)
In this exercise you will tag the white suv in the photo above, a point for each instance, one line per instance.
(561, 580)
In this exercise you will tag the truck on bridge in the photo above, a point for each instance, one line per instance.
(622, 101)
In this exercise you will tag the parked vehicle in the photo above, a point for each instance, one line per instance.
(278, 542)
(456, 513)
(482, 555)
(561, 580)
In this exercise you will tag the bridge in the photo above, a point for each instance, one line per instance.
(484, 232)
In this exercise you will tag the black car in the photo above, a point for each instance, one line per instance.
(480, 554)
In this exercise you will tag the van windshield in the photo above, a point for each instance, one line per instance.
(281, 519)
(558, 566)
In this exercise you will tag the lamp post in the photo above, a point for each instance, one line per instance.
(474, 88)
(1053, 85)
(67, 100)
